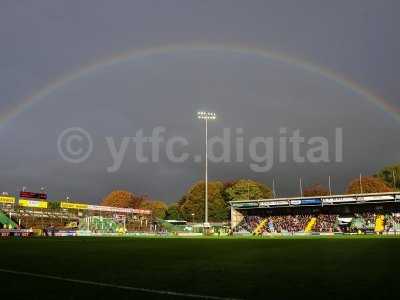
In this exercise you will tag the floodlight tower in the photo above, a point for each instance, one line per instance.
(204, 115)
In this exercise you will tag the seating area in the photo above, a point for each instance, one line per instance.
(63, 219)
(290, 223)
(274, 224)
(248, 224)
(41, 219)
(326, 223)
(318, 223)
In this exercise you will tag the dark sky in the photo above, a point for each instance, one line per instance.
(42, 41)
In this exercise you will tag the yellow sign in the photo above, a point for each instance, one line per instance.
(7, 199)
(32, 203)
(70, 205)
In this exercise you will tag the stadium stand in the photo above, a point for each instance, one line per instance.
(33, 216)
(362, 213)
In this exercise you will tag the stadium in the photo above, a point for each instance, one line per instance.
(221, 150)
(65, 251)
(371, 213)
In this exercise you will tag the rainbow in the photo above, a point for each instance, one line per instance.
(96, 66)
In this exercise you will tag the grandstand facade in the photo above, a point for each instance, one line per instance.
(338, 214)
(32, 215)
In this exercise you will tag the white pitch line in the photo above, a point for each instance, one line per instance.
(115, 286)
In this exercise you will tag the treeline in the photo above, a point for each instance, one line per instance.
(191, 205)
(128, 199)
(385, 180)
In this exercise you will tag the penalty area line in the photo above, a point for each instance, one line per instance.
(114, 286)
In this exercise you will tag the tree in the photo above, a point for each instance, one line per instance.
(158, 208)
(386, 174)
(181, 201)
(244, 189)
(230, 183)
(316, 190)
(173, 213)
(141, 201)
(369, 185)
(124, 199)
(193, 202)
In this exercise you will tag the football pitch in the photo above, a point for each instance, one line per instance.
(203, 268)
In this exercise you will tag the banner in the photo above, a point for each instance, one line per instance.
(141, 211)
(274, 203)
(245, 205)
(7, 199)
(109, 208)
(70, 205)
(373, 198)
(339, 200)
(295, 202)
(119, 209)
(82, 206)
(315, 201)
(32, 203)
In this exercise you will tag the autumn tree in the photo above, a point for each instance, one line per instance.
(368, 184)
(391, 176)
(124, 199)
(229, 184)
(244, 189)
(193, 202)
(316, 190)
(158, 208)
(173, 212)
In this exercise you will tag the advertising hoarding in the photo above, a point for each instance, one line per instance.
(82, 206)
(376, 198)
(315, 201)
(70, 205)
(32, 203)
(245, 205)
(274, 203)
(339, 200)
(295, 202)
(7, 199)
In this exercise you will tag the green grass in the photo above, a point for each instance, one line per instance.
(275, 268)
